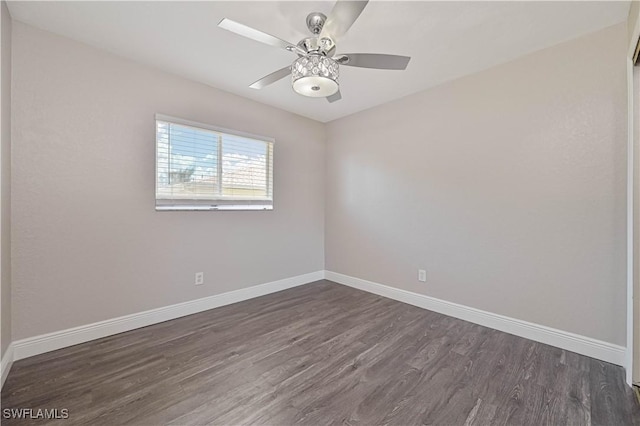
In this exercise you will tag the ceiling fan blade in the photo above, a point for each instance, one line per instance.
(252, 33)
(272, 78)
(342, 16)
(335, 97)
(373, 60)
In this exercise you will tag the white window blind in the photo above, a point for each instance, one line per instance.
(201, 167)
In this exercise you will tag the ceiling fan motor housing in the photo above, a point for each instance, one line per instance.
(315, 45)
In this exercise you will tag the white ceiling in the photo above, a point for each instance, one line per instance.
(446, 40)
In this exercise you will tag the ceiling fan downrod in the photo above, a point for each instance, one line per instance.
(316, 45)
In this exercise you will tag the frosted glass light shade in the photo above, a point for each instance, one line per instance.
(315, 76)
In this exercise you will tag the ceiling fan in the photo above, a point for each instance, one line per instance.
(315, 72)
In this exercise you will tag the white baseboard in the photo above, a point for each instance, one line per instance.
(60, 339)
(5, 364)
(562, 339)
(572, 342)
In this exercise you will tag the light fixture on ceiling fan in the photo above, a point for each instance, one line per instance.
(315, 72)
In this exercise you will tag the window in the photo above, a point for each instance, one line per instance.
(200, 167)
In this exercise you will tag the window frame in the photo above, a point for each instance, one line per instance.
(215, 204)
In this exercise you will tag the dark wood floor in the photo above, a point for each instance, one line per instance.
(320, 354)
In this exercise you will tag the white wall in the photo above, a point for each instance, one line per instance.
(87, 242)
(507, 186)
(5, 178)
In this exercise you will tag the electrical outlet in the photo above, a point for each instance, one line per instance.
(422, 275)
(199, 278)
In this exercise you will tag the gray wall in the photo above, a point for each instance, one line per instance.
(634, 16)
(5, 178)
(636, 225)
(87, 243)
(507, 186)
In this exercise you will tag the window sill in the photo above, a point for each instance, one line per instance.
(224, 207)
